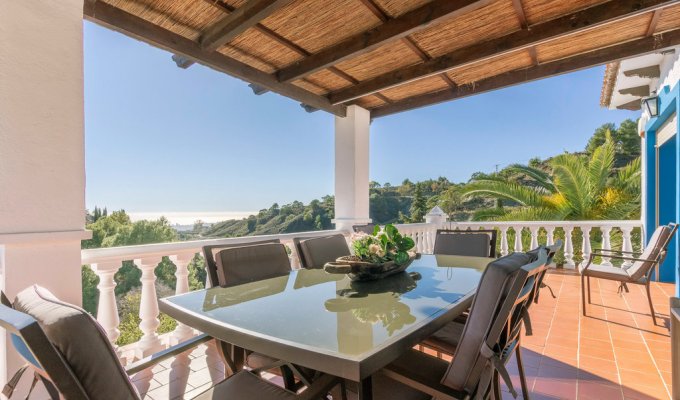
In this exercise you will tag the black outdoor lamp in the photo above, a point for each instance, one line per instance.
(652, 105)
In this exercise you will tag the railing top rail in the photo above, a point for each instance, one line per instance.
(114, 254)
(594, 223)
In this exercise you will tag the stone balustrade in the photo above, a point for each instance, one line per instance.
(106, 262)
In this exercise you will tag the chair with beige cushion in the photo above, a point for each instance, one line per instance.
(446, 340)
(477, 243)
(638, 273)
(489, 337)
(315, 252)
(85, 365)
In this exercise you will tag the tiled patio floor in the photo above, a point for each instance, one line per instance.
(614, 353)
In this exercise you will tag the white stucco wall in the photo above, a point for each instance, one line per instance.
(42, 170)
(670, 70)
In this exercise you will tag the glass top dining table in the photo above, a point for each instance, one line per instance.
(327, 322)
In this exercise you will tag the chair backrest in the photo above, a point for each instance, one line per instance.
(237, 265)
(68, 344)
(476, 243)
(367, 228)
(209, 256)
(505, 286)
(655, 251)
(316, 252)
(552, 250)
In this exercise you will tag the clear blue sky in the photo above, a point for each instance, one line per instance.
(160, 138)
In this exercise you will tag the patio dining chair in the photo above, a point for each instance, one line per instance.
(476, 243)
(489, 337)
(315, 252)
(230, 265)
(446, 340)
(85, 365)
(638, 273)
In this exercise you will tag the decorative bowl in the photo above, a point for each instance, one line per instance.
(358, 270)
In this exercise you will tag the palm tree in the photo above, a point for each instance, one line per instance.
(575, 188)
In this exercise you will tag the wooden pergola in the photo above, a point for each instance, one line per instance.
(390, 56)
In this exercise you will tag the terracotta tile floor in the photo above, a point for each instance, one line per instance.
(614, 353)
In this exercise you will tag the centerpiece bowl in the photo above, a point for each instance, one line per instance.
(376, 256)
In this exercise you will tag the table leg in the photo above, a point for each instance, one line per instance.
(366, 389)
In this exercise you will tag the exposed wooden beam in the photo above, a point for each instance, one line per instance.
(586, 60)
(654, 22)
(376, 10)
(639, 91)
(605, 13)
(533, 55)
(392, 30)
(634, 105)
(521, 16)
(116, 19)
(653, 71)
(240, 20)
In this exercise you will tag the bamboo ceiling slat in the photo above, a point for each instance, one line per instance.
(247, 58)
(184, 17)
(370, 102)
(329, 79)
(312, 87)
(669, 19)
(543, 10)
(427, 85)
(317, 24)
(496, 66)
(604, 36)
(494, 20)
(259, 45)
(395, 8)
(383, 59)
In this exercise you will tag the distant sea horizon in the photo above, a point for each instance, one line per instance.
(189, 217)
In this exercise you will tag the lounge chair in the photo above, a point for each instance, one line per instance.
(639, 273)
(85, 366)
(476, 243)
(489, 337)
(317, 251)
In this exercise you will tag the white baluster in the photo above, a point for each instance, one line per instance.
(627, 244)
(504, 240)
(550, 233)
(107, 309)
(534, 236)
(606, 243)
(182, 331)
(569, 247)
(148, 309)
(518, 238)
(585, 245)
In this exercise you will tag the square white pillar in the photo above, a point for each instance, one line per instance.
(42, 162)
(351, 168)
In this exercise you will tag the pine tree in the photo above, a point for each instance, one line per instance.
(419, 205)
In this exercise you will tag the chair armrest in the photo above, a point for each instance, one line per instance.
(431, 387)
(155, 358)
(319, 387)
(614, 251)
(628, 258)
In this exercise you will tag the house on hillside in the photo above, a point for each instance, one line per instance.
(650, 84)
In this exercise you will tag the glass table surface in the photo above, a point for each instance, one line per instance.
(311, 312)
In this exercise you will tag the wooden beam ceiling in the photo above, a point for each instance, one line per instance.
(391, 30)
(602, 14)
(586, 60)
(138, 28)
(241, 19)
(521, 16)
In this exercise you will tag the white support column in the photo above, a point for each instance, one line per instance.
(42, 163)
(351, 168)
